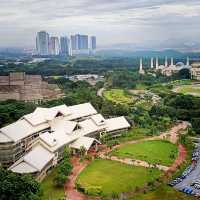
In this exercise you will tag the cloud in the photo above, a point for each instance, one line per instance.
(112, 21)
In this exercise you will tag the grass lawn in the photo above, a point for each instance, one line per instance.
(49, 191)
(135, 133)
(118, 96)
(154, 152)
(163, 192)
(188, 89)
(113, 177)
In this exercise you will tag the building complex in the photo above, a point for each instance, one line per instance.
(169, 68)
(76, 44)
(36, 142)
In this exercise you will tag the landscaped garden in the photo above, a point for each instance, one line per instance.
(118, 96)
(153, 152)
(50, 191)
(188, 89)
(107, 178)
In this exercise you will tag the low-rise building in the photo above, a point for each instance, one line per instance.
(35, 143)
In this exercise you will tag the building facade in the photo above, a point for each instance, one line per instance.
(54, 46)
(64, 46)
(42, 43)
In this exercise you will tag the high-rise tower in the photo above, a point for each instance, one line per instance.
(151, 63)
(42, 43)
(64, 46)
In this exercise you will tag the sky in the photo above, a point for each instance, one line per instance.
(139, 22)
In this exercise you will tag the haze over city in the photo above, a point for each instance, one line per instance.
(155, 23)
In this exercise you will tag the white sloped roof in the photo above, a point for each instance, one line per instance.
(4, 138)
(85, 142)
(38, 157)
(98, 119)
(41, 115)
(37, 117)
(81, 110)
(116, 124)
(23, 168)
(55, 140)
(21, 129)
(61, 124)
(62, 109)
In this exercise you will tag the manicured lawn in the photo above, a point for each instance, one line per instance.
(154, 152)
(114, 177)
(118, 96)
(135, 133)
(189, 89)
(163, 193)
(49, 191)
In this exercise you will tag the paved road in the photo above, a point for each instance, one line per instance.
(100, 92)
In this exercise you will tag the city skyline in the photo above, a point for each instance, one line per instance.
(139, 22)
(65, 45)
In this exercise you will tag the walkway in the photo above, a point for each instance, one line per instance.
(134, 162)
(172, 135)
(70, 188)
(100, 92)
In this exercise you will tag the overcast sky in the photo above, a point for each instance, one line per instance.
(112, 21)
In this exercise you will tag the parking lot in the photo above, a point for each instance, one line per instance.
(189, 181)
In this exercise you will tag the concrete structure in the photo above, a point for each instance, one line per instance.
(42, 43)
(93, 43)
(20, 86)
(152, 66)
(35, 143)
(195, 70)
(64, 46)
(54, 46)
(141, 71)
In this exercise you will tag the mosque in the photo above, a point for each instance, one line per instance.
(169, 68)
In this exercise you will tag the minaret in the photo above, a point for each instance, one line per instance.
(188, 61)
(141, 71)
(172, 62)
(157, 64)
(166, 62)
(151, 63)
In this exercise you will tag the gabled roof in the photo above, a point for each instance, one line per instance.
(4, 138)
(63, 125)
(42, 115)
(81, 110)
(23, 168)
(34, 161)
(85, 142)
(116, 124)
(98, 119)
(38, 157)
(21, 129)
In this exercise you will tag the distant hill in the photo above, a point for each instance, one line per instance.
(128, 53)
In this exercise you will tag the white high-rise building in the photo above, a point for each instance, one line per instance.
(166, 62)
(151, 63)
(157, 63)
(54, 46)
(42, 43)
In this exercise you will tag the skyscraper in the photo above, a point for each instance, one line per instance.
(73, 42)
(54, 46)
(64, 46)
(42, 43)
(83, 42)
(93, 43)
